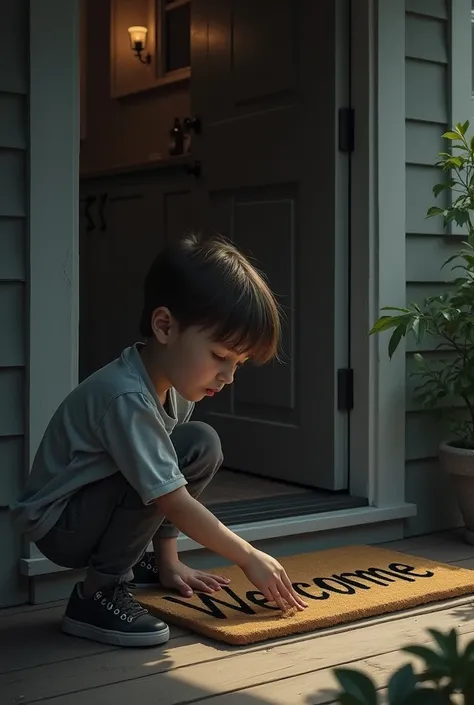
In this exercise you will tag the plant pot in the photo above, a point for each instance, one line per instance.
(459, 463)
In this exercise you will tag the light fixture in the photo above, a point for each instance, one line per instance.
(138, 43)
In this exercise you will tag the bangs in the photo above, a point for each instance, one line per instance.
(213, 286)
(246, 319)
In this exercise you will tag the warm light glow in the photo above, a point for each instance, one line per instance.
(137, 37)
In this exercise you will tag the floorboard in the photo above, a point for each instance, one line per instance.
(39, 664)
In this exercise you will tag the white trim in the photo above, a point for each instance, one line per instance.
(340, 472)
(362, 354)
(53, 210)
(390, 393)
(378, 248)
(54, 192)
(39, 565)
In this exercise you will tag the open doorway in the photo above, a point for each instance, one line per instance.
(262, 92)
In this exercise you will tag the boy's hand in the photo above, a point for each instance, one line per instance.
(271, 579)
(179, 576)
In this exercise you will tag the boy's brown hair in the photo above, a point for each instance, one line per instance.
(211, 284)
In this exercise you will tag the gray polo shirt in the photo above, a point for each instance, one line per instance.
(112, 421)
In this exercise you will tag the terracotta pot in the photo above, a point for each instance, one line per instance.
(459, 463)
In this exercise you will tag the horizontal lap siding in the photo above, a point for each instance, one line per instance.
(427, 247)
(13, 273)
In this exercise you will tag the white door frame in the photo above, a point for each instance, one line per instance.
(377, 446)
(53, 210)
(53, 278)
(378, 270)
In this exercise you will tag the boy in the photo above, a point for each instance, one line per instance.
(119, 451)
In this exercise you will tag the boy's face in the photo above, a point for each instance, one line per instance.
(195, 365)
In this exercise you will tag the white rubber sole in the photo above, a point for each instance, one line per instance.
(108, 636)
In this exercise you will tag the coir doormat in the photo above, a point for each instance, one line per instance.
(340, 585)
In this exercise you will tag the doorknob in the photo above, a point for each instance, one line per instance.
(194, 169)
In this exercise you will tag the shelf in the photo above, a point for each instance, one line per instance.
(152, 165)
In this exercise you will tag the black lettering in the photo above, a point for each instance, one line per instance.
(372, 575)
(298, 588)
(211, 604)
(324, 583)
(259, 601)
(409, 569)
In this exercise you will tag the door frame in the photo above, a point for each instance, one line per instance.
(378, 268)
(377, 219)
(53, 247)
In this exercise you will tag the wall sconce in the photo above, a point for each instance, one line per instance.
(138, 43)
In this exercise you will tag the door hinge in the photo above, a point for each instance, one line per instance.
(345, 389)
(346, 129)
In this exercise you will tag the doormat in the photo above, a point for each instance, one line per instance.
(340, 585)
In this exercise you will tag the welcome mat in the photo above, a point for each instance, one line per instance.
(340, 585)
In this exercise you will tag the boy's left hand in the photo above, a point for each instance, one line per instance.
(179, 576)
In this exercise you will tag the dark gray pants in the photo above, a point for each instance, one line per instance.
(105, 526)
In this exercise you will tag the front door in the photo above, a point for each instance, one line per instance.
(268, 79)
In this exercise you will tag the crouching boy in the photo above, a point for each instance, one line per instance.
(121, 463)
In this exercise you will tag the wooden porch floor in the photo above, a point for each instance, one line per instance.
(40, 664)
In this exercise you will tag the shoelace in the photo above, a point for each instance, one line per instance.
(125, 601)
(149, 560)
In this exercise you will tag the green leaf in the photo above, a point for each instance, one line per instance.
(438, 188)
(358, 685)
(383, 323)
(447, 643)
(428, 696)
(422, 327)
(434, 210)
(451, 135)
(346, 699)
(431, 658)
(469, 650)
(451, 259)
(395, 339)
(461, 217)
(402, 684)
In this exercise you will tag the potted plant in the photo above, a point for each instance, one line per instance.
(447, 384)
(447, 677)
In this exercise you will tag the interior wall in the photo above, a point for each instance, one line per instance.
(128, 131)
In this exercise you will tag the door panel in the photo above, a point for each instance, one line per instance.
(266, 85)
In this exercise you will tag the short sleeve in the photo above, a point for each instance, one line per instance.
(133, 435)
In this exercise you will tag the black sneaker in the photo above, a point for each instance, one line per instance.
(146, 573)
(113, 616)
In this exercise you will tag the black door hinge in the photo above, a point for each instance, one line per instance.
(346, 129)
(345, 389)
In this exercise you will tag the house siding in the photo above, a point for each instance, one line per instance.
(13, 250)
(428, 101)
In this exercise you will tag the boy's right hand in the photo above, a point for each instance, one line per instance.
(197, 522)
(271, 579)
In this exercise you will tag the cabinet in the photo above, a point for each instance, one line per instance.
(124, 222)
